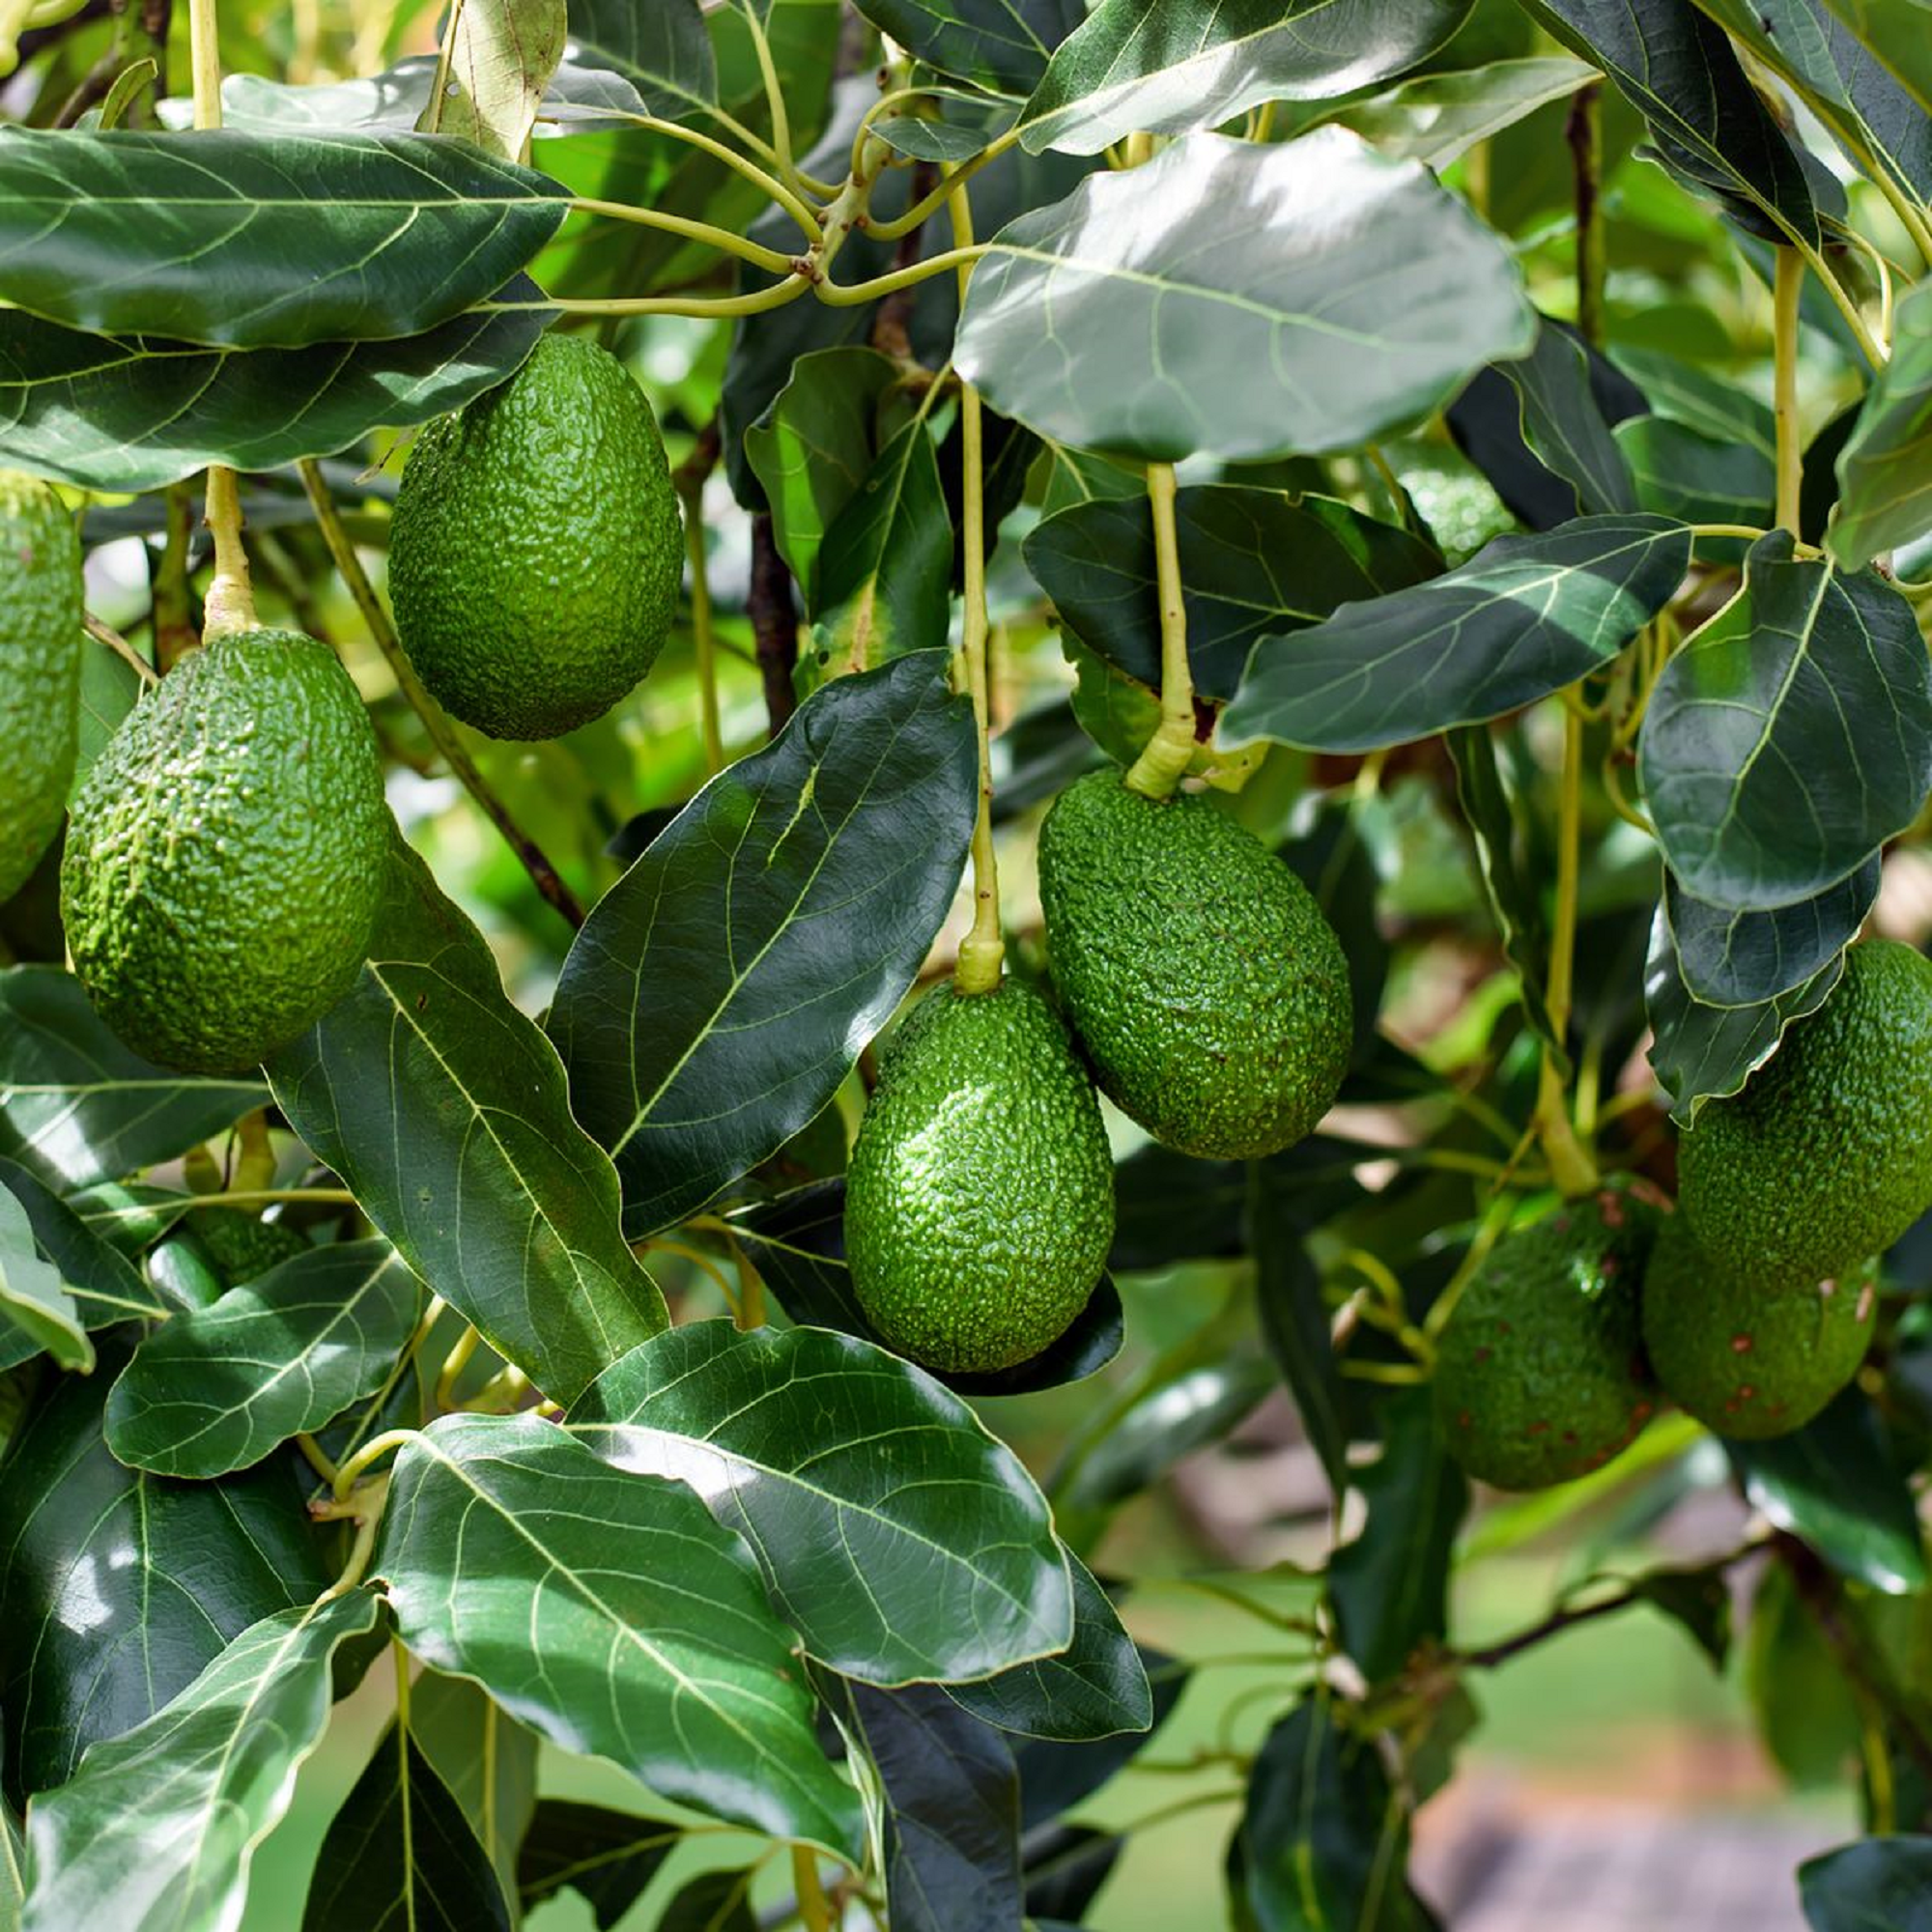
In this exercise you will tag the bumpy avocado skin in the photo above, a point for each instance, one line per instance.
(1825, 1157)
(980, 1196)
(536, 549)
(1751, 1357)
(40, 613)
(1540, 1374)
(225, 856)
(1197, 970)
(242, 1247)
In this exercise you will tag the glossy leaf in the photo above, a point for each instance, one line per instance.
(1152, 66)
(768, 932)
(1520, 620)
(443, 1108)
(487, 1760)
(1878, 1884)
(609, 1612)
(1002, 45)
(895, 1535)
(500, 55)
(1804, 675)
(1437, 118)
(213, 236)
(1252, 561)
(1564, 426)
(1745, 958)
(219, 1388)
(36, 1311)
(1687, 393)
(1896, 31)
(607, 1857)
(1055, 1777)
(77, 1107)
(1354, 293)
(157, 1831)
(1884, 471)
(105, 1286)
(661, 50)
(400, 1855)
(1680, 472)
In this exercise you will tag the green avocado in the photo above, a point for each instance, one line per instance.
(536, 549)
(1197, 970)
(1825, 1157)
(242, 1247)
(1539, 1374)
(40, 613)
(226, 854)
(980, 1196)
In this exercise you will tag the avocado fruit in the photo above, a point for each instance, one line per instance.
(226, 854)
(980, 1195)
(1825, 1157)
(40, 614)
(242, 1247)
(1540, 1372)
(1751, 1357)
(1208, 991)
(536, 549)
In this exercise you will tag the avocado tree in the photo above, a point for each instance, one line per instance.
(1331, 595)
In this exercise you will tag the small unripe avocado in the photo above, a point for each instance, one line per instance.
(1208, 991)
(242, 1247)
(1540, 1374)
(226, 854)
(40, 613)
(980, 1196)
(536, 549)
(1750, 1357)
(1825, 1157)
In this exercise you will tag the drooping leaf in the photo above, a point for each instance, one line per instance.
(1745, 958)
(1895, 31)
(77, 1107)
(502, 54)
(606, 1856)
(1152, 65)
(1437, 118)
(443, 1108)
(1564, 426)
(1680, 472)
(1354, 293)
(609, 1611)
(1056, 1775)
(1884, 471)
(260, 241)
(826, 862)
(1002, 45)
(156, 1832)
(1064, 1866)
(1806, 673)
(661, 50)
(36, 1310)
(1806, 1715)
(895, 1535)
(400, 1855)
(1520, 620)
(1877, 1885)
(105, 1286)
(485, 1757)
(219, 1388)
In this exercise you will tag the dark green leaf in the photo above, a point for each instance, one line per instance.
(1884, 471)
(1294, 1319)
(969, 125)
(606, 1856)
(897, 1536)
(1698, 1602)
(104, 1284)
(1564, 426)
(400, 1855)
(220, 1388)
(1354, 293)
(1745, 958)
(260, 241)
(609, 1612)
(1520, 620)
(1066, 1865)
(487, 1759)
(999, 44)
(1055, 1776)
(444, 1109)
(717, 1901)
(827, 861)
(1807, 1712)
(1252, 561)
(1804, 675)
(662, 50)
(1682, 472)
(1152, 66)
(77, 1107)
(1687, 393)
(1879, 1884)
(36, 1311)
(1900, 32)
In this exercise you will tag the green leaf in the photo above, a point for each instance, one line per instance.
(443, 1108)
(109, 686)
(117, 1588)
(487, 1760)
(502, 54)
(900, 1539)
(969, 125)
(1168, 68)
(1900, 32)
(1521, 619)
(1682, 472)
(606, 1856)
(1294, 1319)
(1351, 294)
(1835, 1486)
(1884, 471)
(33, 1303)
(715, 1901)
(1687, 393)
(1252, 561)
(1878, 1884)
(157, 1828)
(1698, 1602)
(260, 241)
(400, 1855)
(77, 1107)
(1096, 1687)
(13, 1871)
(1055, 1777)
(662, 50)
(1804, 675)
(1437, 118)
(1806, 1715)
(1745, 958)
(1002, 45)
(609, 1612)
(1564, 426)
(826, 862)
(219, 1388)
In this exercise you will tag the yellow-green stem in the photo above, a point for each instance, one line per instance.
(852, 294)
(1167, 754)
(814, 1913)
(367, 1523)
(453, 1365)
(1571, 1166)
(230, 604)
(770, 260)
(930, 204)
(1868, 343)
(204, 43)
(774, 101)
(371, 1452)
(748, 170)
(1787, 287)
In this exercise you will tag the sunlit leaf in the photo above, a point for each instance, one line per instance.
(999, 44)
(500, 55)
(1900, 32)
(1884, 471)
(1437, 118)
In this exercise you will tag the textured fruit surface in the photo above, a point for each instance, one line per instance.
(226, 854)
(980, 1198)
(536, 549)
(1539, 1374)
(1210, 992)
(242, 1247)
(39, 671)
(1825, 1157)
(1751, 1357)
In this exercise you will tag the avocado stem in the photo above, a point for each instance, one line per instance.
(1787, 286)
(1167, 755)
(230, 603)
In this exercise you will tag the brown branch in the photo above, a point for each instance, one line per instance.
(774, 623)
(892, 326)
